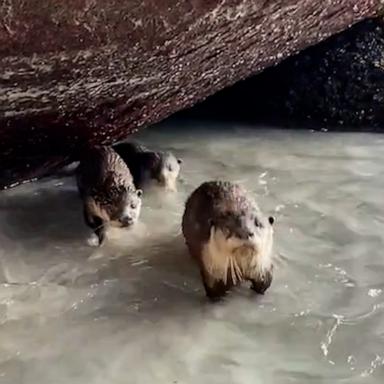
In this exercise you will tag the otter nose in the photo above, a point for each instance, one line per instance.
(126, 221)
(246, 235)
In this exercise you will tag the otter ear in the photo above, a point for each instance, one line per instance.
(180, 161)
(271, 220)
(139, 193)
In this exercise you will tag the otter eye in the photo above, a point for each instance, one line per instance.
(169, 167)
(133, 205)
(258, 223)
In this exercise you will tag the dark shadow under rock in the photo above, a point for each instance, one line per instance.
(336, 84)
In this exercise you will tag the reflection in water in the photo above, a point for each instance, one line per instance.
(134, 311)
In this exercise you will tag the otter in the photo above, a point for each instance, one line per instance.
(229, 237)
(106, 187)
(147, 165)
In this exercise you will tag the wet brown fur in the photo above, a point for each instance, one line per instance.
(145, 164)
(208, 205)
(103, 180)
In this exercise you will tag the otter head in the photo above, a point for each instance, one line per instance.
(120, 205)
(129, 207)
(244, 230)
(166, 169)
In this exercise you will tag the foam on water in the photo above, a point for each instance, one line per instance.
(134, 311)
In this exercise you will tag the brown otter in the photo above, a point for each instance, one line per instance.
(106, 186)
(147, 165)
(229, 237)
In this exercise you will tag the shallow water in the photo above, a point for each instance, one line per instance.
(135, 312)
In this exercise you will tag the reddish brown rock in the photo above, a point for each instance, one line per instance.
(93, 71)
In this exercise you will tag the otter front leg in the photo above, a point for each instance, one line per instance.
(262, 282)
(215, 289)
(97, 224)
(100, 232)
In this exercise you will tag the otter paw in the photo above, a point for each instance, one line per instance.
(261, 285)
(216, 292)
(94, 241)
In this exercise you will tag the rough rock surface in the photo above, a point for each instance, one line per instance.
(93, 71)
(338, 84)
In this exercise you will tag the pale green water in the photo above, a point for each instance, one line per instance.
(135, 312)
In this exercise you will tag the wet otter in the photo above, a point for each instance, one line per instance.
(229, 237)
(147, 165)
(106, 186)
